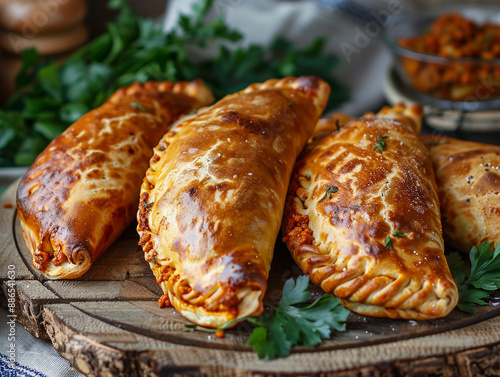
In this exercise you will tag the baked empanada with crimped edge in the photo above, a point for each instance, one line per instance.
(82, 191)
(362, 219)
(212, 200)
(468, 180)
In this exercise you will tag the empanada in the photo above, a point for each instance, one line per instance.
(212, 200)
(83, 189)
(468, 180)
(362, 219)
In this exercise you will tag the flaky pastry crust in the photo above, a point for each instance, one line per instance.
(468, 179)
(83, 189)
(213, 197)
(363, 221)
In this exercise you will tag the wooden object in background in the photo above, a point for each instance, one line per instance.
(108, 323)
(54, 27)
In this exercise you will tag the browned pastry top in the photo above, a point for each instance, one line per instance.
(82, 191)
(346, 202)
(468, 178)
(212, 200)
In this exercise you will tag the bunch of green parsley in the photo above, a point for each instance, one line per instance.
(49, 98)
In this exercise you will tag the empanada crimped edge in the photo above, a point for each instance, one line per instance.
(468, 180)
(224, 173)
(345, 238)
(82, 191)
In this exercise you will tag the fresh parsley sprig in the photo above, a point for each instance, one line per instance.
(483, 276)
(293, 321)
(49, 97)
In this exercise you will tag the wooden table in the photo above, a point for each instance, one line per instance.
(108, 323)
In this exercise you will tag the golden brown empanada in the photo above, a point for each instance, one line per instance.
(212, 200)
(83, 189)
(468, 180)
(362, 219)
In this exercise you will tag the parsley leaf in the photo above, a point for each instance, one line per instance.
(295, 322)
(482, 277)
(138, 106)
(329, 190)
(457, 266)
(263, 346)
(398, 234)
(388, 243)
(295, 292)
(380, 143)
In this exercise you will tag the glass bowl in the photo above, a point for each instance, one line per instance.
(450, 83)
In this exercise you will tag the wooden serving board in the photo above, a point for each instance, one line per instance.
(107, 323)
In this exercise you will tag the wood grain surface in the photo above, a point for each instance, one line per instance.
(107, 323)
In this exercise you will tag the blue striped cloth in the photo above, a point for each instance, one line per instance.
(16, 370)
(32, 356)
